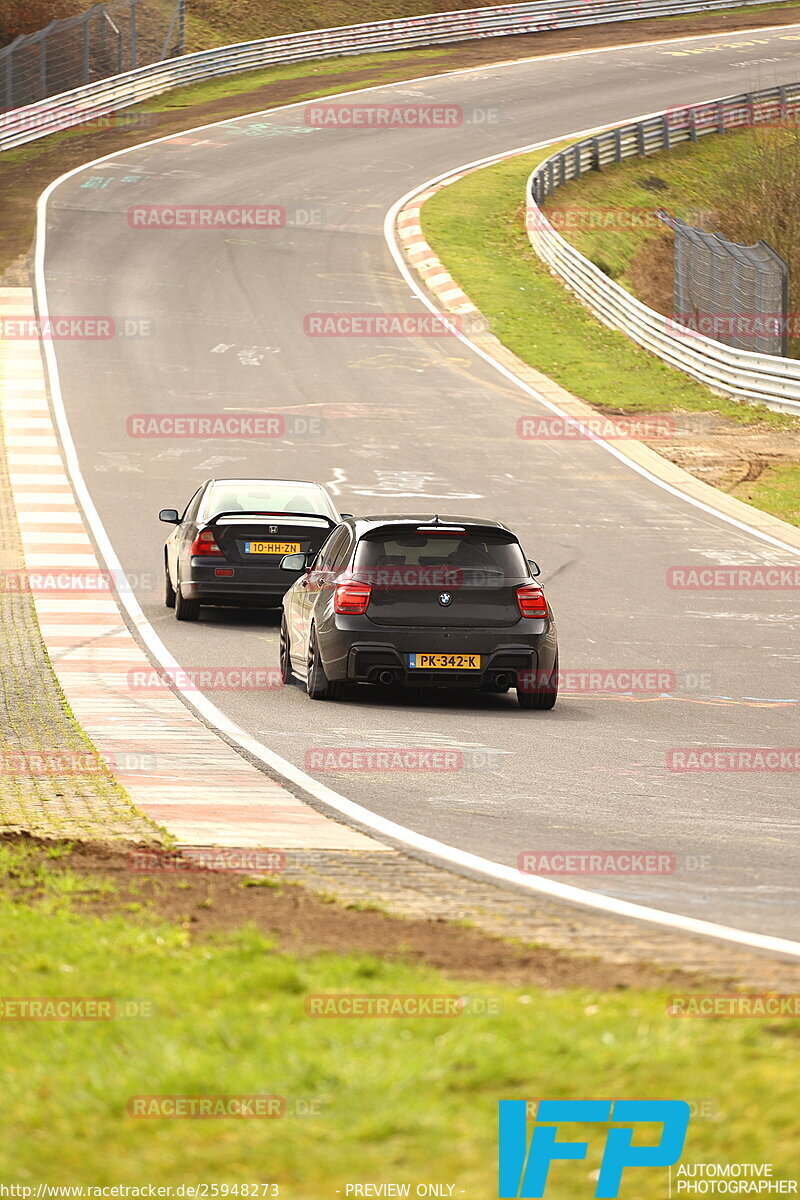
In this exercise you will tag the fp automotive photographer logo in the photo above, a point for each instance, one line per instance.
(524, 1164)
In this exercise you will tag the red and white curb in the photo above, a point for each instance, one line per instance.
(419, 254)
(174, 769)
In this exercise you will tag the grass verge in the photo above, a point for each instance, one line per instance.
(405, 1099)
(477, 228)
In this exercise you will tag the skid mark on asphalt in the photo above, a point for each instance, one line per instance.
(767, 618)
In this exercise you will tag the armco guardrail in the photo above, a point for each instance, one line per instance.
(740, 373)
(82, 104)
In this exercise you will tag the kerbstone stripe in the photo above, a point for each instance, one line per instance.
(174, 769)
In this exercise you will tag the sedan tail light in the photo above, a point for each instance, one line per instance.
(531, 601)
(205, 543)
(352, 598)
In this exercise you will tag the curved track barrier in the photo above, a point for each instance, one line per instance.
(83, 104)
(743, 374)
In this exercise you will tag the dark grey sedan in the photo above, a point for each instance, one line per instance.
(228, 545)
(419, 601)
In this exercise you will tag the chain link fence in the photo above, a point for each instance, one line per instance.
(735, 294)
(105, 40)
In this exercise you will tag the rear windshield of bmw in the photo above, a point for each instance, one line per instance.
(403, 558)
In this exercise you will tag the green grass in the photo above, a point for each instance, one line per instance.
(234, 85)
(476, 227)
(776, 491)
(398, 1099)
(211, 20)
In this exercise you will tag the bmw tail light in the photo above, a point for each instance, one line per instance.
(531, 601)
(205, 543)
(352, 598)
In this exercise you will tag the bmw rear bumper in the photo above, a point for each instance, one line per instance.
(361, 655)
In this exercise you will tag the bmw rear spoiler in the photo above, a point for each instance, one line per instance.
(464, 528)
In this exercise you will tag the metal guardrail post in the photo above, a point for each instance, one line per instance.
(721, 116)
(86, 22)
(43, 65)
(134, 48)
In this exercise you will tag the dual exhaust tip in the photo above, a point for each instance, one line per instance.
(386, 678)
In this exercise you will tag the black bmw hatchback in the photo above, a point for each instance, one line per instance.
(419, 601)
(228, 545)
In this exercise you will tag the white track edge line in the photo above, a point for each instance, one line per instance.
(448, 855)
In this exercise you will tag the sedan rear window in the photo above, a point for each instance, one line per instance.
(252, 495)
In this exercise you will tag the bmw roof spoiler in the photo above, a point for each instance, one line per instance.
(468, 526)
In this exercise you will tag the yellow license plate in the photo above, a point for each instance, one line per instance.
(444, 662)
(272, 547)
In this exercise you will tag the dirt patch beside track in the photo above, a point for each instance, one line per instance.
(205, 902)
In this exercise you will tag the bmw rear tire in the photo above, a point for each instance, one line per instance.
(318, 686)
(542, 697)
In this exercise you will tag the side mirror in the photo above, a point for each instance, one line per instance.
(294, 562)
(170, 515)
(345, 516)
(534, 567)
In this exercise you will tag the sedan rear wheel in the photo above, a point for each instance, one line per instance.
(285, 653)
(186, 610)
(318, 686)
(169, 590)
